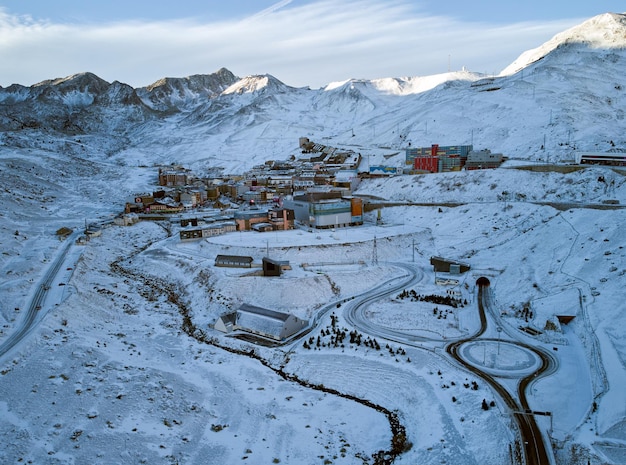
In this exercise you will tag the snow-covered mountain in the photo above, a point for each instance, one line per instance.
(601, 32)
(177, 93)
(112, 373)
(565, 95)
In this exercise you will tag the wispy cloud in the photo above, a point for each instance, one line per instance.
(275, 7)
(312, 45)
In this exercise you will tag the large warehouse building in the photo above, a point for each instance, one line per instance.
(326, 210)
(439, 159)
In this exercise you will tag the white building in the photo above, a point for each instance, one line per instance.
(261, 321)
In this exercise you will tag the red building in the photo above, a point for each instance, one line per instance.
(436, 159)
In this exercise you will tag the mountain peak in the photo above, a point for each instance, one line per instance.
(83, 81)
(256, 83)
(605, 31)
(171, 92)
(197, 82)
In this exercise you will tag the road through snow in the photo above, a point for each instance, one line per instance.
(38, 299)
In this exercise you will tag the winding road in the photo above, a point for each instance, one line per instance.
(533, 449)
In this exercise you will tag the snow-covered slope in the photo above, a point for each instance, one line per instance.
(601, 32)
(179, 93)
(566, 95)
(111, 373)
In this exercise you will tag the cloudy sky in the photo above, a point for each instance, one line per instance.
(301, 42)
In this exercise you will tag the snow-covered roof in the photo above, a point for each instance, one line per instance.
(261, 320)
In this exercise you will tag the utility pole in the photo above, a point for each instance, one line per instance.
(375, 253)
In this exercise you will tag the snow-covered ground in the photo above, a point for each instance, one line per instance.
(109, 376)
(123, 366)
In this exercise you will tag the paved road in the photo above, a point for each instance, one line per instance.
(38, 299)
(353, 305)
(562, 206)
(354, 309)
(533, 446)
(533, 449)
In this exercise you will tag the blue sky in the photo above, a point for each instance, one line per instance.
(301, 42)
(115, 10)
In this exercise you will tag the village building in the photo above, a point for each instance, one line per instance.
(260, 321)
(93, 230)
(184, 222)
(245, 219)
(437, 159)
(126, 219)
(445, 265)
(280, 180)
(326, 209)
(82, 240)
(206, 230)
(234, 261)
(262, 227)
(305, 180)
(64, 232)
(213, 193)
(165, 205)
(138, 202)
(384, 171)
(226, 322)
(348, 179)
(273, 267)
(483, 159)
(255, 196)
(188, 200)
(281, 219)
(175, 176)
(219, 228)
